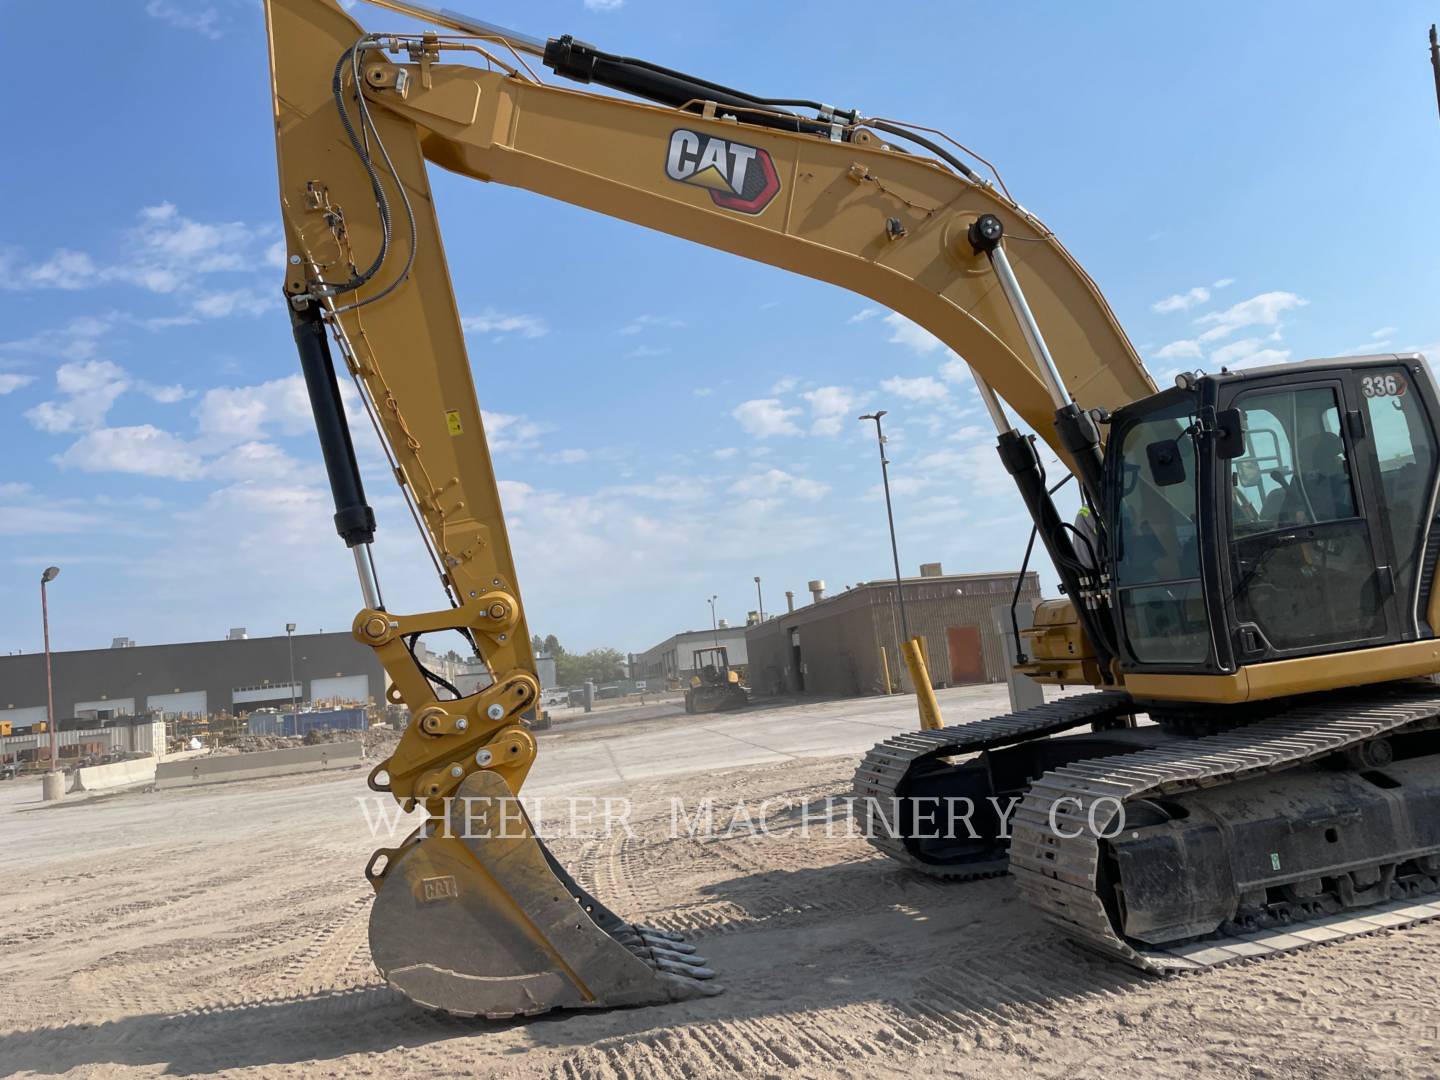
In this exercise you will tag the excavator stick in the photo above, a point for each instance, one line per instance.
(472, 914)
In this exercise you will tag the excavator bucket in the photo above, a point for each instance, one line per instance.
(475, 917)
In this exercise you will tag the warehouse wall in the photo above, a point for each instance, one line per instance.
(841, 638)
(676, 655)
(114, 678)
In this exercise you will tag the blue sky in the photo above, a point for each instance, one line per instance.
(1254, 184)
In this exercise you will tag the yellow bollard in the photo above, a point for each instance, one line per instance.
(885, 670)
(924, 692)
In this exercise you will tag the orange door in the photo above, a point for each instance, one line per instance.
(967, 662)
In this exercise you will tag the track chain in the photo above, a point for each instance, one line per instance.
(1058, 874)
(884, 769)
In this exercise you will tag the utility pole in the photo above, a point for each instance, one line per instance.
(53, 790)
(890, 516)
(714, 623)
(759, 600)
(1435, 61)
(294, 707)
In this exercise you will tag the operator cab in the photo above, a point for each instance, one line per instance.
(1272, 513)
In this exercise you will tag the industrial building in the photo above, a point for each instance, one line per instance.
(846, 644)
(674, 657)
(135, 735)
(237, 675)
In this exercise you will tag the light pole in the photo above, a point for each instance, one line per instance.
(294, 708)
(759, 600)
(714, 623)
(890, 515)
(50, 574)
(1435, 60)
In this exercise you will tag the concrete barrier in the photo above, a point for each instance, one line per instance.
(221, 770)
(115, 775)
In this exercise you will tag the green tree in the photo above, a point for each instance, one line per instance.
(553, 646)
(602, 665)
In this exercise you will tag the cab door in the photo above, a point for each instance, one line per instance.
(1397, 407)
(1309, 572)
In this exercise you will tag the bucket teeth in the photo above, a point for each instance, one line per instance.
(682, 970)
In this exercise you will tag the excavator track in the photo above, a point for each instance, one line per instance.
(882, 774)
(1059, 872)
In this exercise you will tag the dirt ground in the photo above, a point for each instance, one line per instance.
(223, 931)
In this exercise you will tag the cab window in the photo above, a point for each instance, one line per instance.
(1304, 572)
(1405, 452)
(1157, 540)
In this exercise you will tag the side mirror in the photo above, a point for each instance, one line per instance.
(1229, 434)
(1166, 465)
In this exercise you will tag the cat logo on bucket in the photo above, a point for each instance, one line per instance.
(739, 177)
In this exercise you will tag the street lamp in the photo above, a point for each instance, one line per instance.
(294, 708)
(759, 600)
(50, 574)
(890, 515)
(714, 623)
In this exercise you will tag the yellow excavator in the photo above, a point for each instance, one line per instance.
(1256, 572)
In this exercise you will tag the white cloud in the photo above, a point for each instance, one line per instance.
(165, 395)
(911, 335)
(143, 450)
(165, 252)
(645, 322)
(764, 417)
(921, 388)
(79, 339)
(642, 352)
(785, 384)
(243, 301)
(604, 5)
(863, 314)
(977, 467)
(509, 432)
(88, 389)
(566, 457)
(490, 321)
(1384, 331)
(1223, 283)
(1247, 352)
(42, 518)
(10, 383)
(63, 270)
(255, 462)
(830, 407)
(775, 483)
(1182, 301)
(969, 433)
(203, 21)
(1179, 350)
(900, 486)
(1262, 310)
(956, 370)
(725, 453)
(245, 412)
(170, 250)
(702, 391)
